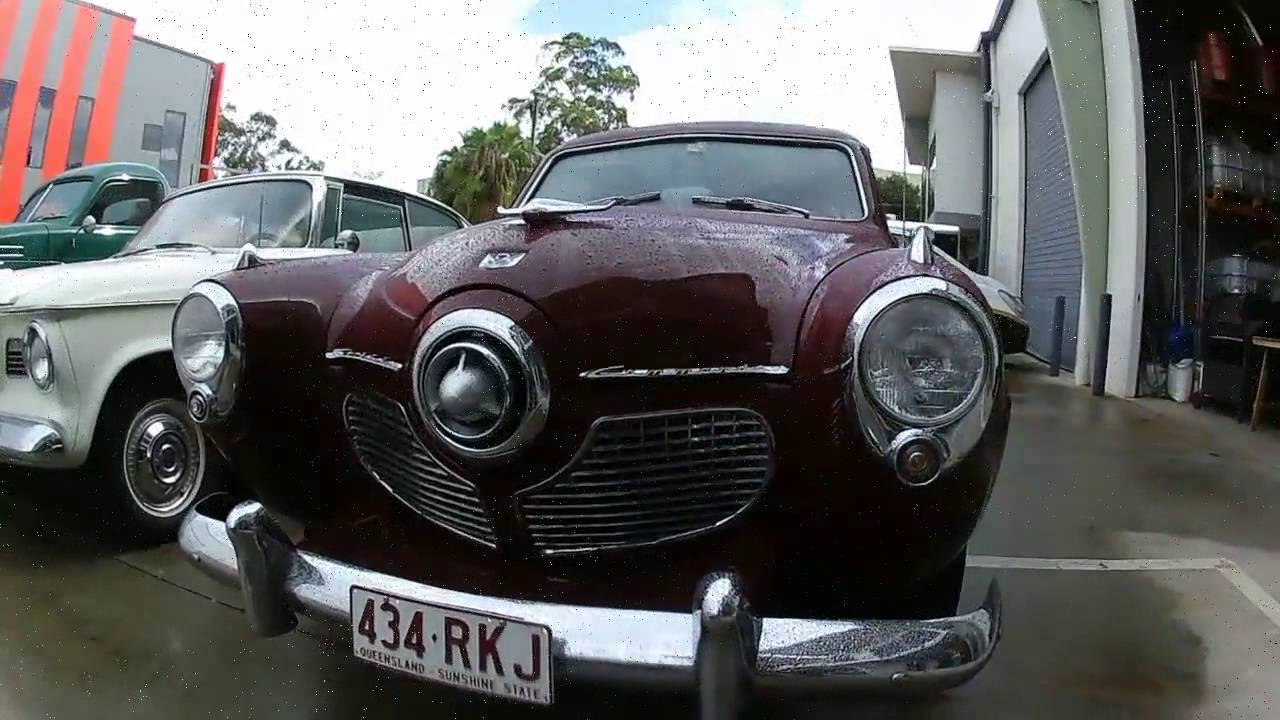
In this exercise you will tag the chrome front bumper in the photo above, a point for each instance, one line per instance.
(721, 647)
(26, 442)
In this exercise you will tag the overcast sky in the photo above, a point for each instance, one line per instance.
(372, 86)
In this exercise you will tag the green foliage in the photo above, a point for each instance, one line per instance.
(255, 144)
(893, 188)
(578, 92)
(483, 172)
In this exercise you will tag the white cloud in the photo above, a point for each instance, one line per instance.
(385, 86)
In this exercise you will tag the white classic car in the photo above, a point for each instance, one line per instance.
(88, 377)
(1005, 303)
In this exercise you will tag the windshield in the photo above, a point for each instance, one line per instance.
(820, 179)
(58, 202)
(270, 213)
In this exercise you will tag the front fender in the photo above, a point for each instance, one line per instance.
(103, 342)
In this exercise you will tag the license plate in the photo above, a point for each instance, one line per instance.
(482, 653)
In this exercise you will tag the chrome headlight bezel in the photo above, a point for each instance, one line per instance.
(957, 431)
(526, 380)
(33, 333)
(212, 398)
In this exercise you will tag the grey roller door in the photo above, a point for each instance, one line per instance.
(1051, 261)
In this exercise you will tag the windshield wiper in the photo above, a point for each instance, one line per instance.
(624, 200)
(540, 208)
(170, 246)
(52, 216)
(749, 203)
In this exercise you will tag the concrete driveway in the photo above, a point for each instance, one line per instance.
(1137, 544)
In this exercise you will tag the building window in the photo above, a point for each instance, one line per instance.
(40, 128)
(7, 88)
(152, 136)
(80, 132)
(175, 126)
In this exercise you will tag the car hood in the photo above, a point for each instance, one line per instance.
(158, 276)
(640, 288)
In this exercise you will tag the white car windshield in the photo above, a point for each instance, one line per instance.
(818, 178)
(267, 213)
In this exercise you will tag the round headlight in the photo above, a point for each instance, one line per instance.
(37, 356)
(480, 384)
(923, 360)
(199, 338)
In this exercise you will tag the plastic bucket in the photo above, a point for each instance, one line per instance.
(1181, 377)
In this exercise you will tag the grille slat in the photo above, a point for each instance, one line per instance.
(14, 365)
(390, 450)
(647, 479)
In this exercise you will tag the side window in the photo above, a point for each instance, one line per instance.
(329, 226)
(426, 223)
(379, 224)
(127, 203)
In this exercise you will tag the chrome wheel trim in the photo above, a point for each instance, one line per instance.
(163, 462)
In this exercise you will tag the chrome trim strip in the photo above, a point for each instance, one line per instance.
(957, 431)
(614, 372)
(50, 309)
(858, 174)
(25, 440)
(342, 354)
(719, 640)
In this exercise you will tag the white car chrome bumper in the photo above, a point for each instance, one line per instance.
(721, 647)
(28, 442)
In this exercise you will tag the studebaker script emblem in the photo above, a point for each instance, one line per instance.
(618, 371)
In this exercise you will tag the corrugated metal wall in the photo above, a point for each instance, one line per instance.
(1051, 259)
(55, 52)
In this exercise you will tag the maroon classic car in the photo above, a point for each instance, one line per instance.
(684, 416)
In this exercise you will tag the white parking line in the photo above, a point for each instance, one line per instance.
(1239, 579)
(1029, 563)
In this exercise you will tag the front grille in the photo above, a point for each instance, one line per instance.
(391, 451)
(647, 479)
(14, 365)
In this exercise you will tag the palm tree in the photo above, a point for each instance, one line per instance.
(483, 172)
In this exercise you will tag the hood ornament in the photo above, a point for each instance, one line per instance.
(920, 248)
(248, 257)
(500, 259)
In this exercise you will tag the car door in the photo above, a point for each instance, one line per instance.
(376, 216)
(118, 210)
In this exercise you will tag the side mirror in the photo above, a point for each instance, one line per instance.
(88, 224)
(347, 240)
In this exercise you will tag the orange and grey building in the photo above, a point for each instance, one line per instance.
(77, 87)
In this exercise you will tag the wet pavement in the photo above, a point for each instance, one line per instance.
(1163, 630)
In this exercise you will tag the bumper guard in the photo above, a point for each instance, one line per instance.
(721, 648)
(26, 441)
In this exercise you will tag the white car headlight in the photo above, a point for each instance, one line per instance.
(199, 338)
(923, 360)
(38, 356)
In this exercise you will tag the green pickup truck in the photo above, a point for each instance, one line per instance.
(83, 214)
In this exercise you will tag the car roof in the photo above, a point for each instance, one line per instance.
(310, 175)
(756, 129)
(102, 171)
